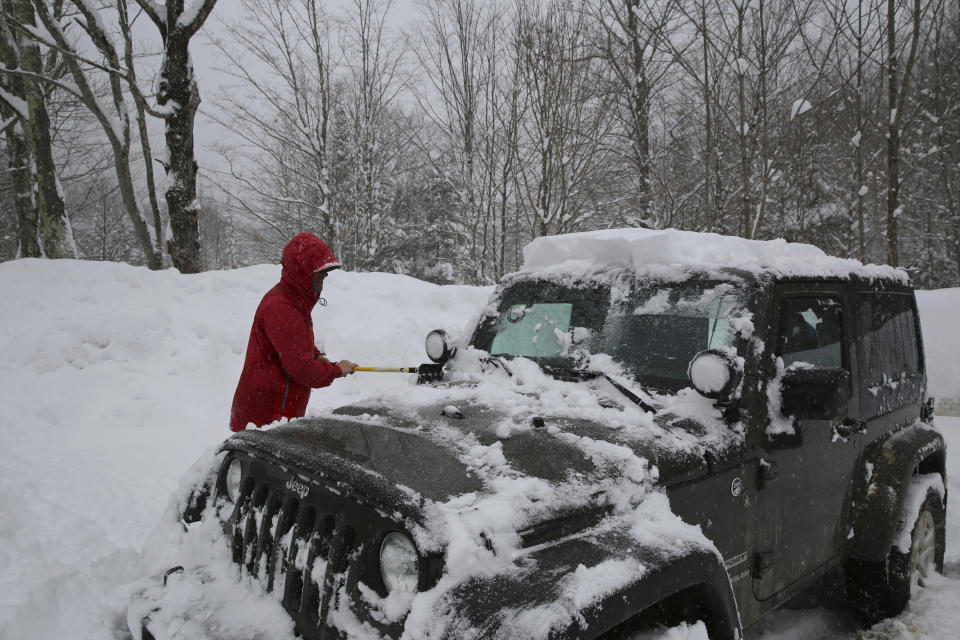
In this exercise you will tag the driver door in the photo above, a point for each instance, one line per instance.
(805, 476)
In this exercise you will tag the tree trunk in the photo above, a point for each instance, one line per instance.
(115, 123)
(709, 153)
(179, 92)
(745, 214)
(179, 96)
(155, 257)
(28, 245)
(640, 108)
(13, 110)
(765, 159)
(56, 237)
(896, 95)
(44, 218)
(858, 152)
(893, 137)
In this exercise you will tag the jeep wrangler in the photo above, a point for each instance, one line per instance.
(641, 428)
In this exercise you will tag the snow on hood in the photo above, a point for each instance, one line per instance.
(660, 252)
(479, 531)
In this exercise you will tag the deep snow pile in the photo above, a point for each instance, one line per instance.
(938, 316)
(662, 252)
(115, 380)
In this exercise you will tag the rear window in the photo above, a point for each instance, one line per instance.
(888, 352)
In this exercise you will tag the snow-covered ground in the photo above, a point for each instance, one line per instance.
(114, 380)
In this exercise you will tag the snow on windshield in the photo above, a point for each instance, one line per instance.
(652, 329)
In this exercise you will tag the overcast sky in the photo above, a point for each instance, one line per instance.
(403, 13)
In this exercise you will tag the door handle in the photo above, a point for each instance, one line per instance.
(849, 427)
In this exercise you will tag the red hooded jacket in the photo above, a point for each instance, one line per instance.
(281, 365)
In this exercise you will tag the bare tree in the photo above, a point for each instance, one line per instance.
(851, 78)
(898, 86)
(8, 214)
(114, 118)
(462, 100)
(632, 45)
(15, 114)
(509, 107)
(937, 162)
(179, 98)
(45, 226)
(369, 141)
(103, 232)
(703, 56)
(563, 138)
(283, 163)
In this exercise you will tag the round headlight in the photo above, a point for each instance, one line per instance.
(716, 374)
(231, 480)
(440, 346)
(398, 563)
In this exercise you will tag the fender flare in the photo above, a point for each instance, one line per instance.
(494, 608)
(700, 574)
(916, 448)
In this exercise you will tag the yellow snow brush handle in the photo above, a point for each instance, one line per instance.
(389, 369)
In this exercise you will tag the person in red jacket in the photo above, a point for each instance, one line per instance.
(282, 363)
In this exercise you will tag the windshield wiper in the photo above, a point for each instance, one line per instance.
(498, 361)
(586, 374)
(626, 392)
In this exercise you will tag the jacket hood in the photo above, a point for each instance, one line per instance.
(303, 256)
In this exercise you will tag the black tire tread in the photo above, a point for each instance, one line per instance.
(878, 590)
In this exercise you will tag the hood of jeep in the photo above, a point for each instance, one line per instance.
(459, 443)
(422, 447)
(533, 442)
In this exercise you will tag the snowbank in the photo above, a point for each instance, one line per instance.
(938, 317)
(115, 379)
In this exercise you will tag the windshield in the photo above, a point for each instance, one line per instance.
(651, 329)
(544, 321)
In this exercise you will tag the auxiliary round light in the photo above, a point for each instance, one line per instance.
(716, 374)
(399, 563)
(440, 346)
(231, 480)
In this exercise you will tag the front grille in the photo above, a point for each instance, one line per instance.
(306, 551)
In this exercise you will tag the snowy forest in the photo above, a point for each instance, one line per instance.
(435, 138)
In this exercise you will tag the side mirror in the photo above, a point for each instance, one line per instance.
(814, 393)
(440, 346)
(716, 374)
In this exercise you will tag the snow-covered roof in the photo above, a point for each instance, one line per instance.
(660, 251)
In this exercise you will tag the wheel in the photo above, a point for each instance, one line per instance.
(878, 590)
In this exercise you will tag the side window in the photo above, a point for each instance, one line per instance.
(811, 331)
(888, 355)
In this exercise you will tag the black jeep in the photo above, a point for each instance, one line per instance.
(620, 442)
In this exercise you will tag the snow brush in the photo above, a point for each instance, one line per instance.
(425, 372)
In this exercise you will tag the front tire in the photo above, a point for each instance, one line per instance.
(878, 590)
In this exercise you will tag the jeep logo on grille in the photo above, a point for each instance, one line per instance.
(298, 488)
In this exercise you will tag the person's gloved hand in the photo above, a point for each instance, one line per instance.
(346, 367)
